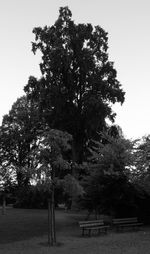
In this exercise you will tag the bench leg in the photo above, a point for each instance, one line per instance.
(89, 232)
(82, 231)
(105, 230)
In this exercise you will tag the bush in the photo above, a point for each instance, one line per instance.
(31, 197)
(37, 196)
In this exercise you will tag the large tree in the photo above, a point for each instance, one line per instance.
(78, 84)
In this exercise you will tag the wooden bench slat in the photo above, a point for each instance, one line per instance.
(129, 225)
(124, 220)
(90, 224)
(91, 221)
(98, 227)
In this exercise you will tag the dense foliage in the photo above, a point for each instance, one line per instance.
(79, 83)
(57, 136)
(17, 132)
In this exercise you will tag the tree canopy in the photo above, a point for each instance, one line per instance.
(78, 84)
(107, 184)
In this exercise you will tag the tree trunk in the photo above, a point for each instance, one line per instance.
(51, 218)
(49, 223)
(77, 156)
(77, 151)
(4, 204)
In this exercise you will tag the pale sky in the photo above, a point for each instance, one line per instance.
(127, 23)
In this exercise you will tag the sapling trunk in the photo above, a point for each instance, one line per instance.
(51, 218)
(4, 205)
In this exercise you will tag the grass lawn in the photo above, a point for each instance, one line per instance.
(25, 231)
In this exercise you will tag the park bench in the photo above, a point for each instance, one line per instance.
(94, 225)
(126, 223)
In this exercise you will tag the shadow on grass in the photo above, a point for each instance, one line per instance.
(23, 224)
(45, 244)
